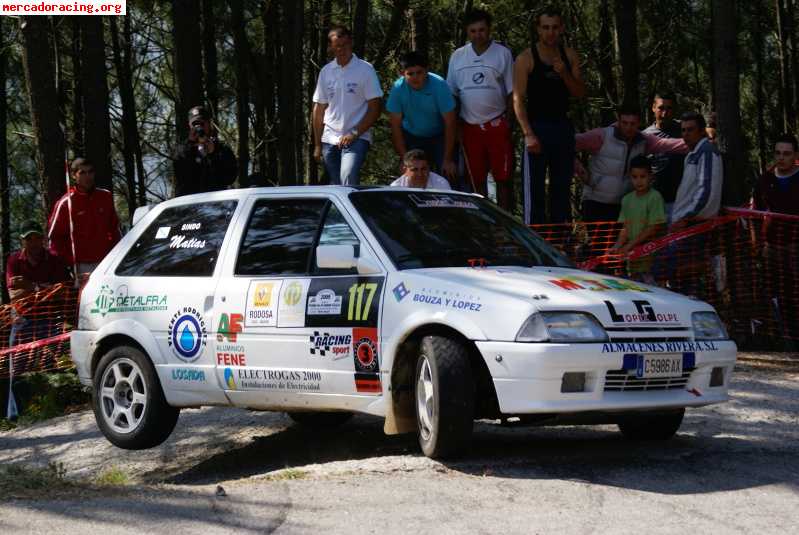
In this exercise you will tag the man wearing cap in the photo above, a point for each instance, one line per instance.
(84, 220)
(203, 163)
(33, 267)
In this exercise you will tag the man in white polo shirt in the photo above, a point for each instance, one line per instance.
(346, 105)
(480, 77)
(417, 173)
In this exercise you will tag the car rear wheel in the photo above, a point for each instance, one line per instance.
(129, 405)
(444, 394)
(320, 420)
(651, 426)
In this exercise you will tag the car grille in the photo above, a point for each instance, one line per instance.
(622, 381)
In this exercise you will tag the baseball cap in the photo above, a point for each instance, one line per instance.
(30, 227)
(198, 113)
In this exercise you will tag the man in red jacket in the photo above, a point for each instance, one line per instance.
(95, 226)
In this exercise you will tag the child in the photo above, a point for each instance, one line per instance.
(643, 215)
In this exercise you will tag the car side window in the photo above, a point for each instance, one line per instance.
(183, 241)
(336, 231)
(280, 236)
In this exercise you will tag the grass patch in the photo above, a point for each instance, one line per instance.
(113, 477)
(24, 482)
(288, 474)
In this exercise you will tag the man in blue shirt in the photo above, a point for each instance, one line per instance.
(422, 113)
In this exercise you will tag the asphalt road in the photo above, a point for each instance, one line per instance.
(732, 468)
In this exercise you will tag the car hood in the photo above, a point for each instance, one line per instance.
(615, 302)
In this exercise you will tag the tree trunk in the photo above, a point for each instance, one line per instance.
(730, 136)
(627, 36)
(5, 204)
(78, 146)
(291, 39)
(95, 100)
(392, 33)
(359, 25)
(607, 79)
(271, 43)
(790, 29)
(209, 54)
(420, 30)
(301, 125)
(242, 53)
(188, 62)
(786, 83)
(46, 116)
(129, 130)
(127, 63)
(756, 35)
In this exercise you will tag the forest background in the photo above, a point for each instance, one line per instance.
(118, 89)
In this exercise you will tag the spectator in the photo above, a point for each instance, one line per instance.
(33, 267)
(422, 113)
(417, 173)
(667, 168)
(90, 213)
(699, 194)
(203, 163)
(612, 148)
(480, 76)
(643, 215)
(346, 105)
(711, 128)
(777, 190)
(545, 76)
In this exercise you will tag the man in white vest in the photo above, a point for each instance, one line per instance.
(612, 148)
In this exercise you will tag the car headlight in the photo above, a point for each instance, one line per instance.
(561, 327)
(708, 326)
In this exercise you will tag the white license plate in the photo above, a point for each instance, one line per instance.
(654, 366)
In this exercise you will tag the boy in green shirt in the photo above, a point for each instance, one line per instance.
(643, 216)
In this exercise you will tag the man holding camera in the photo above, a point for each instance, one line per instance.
(203, 163)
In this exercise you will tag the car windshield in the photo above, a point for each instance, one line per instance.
(421, 229)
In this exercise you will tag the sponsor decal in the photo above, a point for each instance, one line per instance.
(109, 301)
(324, 303)
(230, 381)
(228, 352)
(162, 233)
(188, 375)
(432, 200)
(400, 292)
(645, 313)
(478, 77)
(448, 299)
(335, 345)
(344, 302)
(597, 285)
(262, 307)
(658, 347)
(179, 241)
(190, 226)
(285, 380)
(187, 334)
(291, 311)
(367, 362)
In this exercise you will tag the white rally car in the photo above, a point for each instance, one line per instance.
(431, 309)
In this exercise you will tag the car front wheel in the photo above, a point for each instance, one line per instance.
(651, 426)
(444, 394)
(129, 405)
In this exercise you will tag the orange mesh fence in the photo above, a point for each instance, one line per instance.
(743, 262)
(34, 331)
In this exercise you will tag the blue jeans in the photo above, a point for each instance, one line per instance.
(557, 155)
(432, 146)
(343, 164)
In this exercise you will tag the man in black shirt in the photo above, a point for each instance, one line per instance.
(667, 168)
(203, 163)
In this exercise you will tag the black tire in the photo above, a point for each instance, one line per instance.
(320, 420)
(651, 426)
(445, 414)
(144, 423)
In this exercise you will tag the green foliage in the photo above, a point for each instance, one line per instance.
(112, 477)
(42, 396)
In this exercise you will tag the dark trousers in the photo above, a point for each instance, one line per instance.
(594, 211)
(557, 156)
(432, 146)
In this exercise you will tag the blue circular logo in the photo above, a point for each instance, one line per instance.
(186, 336)
(478, 78)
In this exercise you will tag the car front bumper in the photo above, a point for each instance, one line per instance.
(529, 378)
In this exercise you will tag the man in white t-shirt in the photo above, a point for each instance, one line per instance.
(480, 77)
(346, 105)
(417, 173)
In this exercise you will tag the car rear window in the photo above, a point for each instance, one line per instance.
(183, 241)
